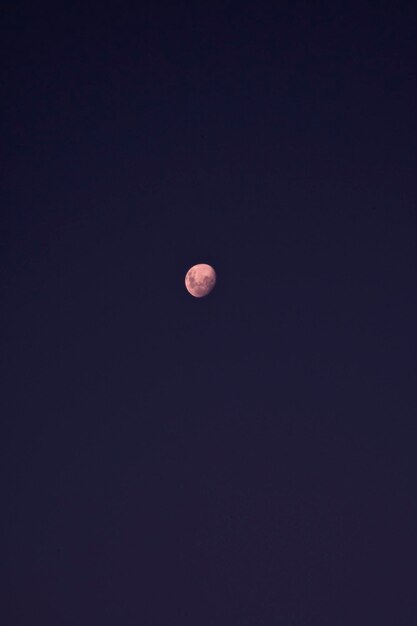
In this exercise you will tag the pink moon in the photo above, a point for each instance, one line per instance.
(200, 280)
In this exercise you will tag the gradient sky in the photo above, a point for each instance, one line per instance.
(248, 458)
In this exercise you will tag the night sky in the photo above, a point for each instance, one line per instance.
(244, 459)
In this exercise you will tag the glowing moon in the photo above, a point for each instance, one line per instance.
(200, 280)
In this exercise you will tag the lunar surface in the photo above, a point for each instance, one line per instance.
(200, 280)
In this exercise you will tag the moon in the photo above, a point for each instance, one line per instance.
(200, 280)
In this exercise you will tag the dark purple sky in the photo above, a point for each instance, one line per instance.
(247, 459)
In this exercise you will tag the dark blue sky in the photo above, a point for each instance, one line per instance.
(244, 459)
